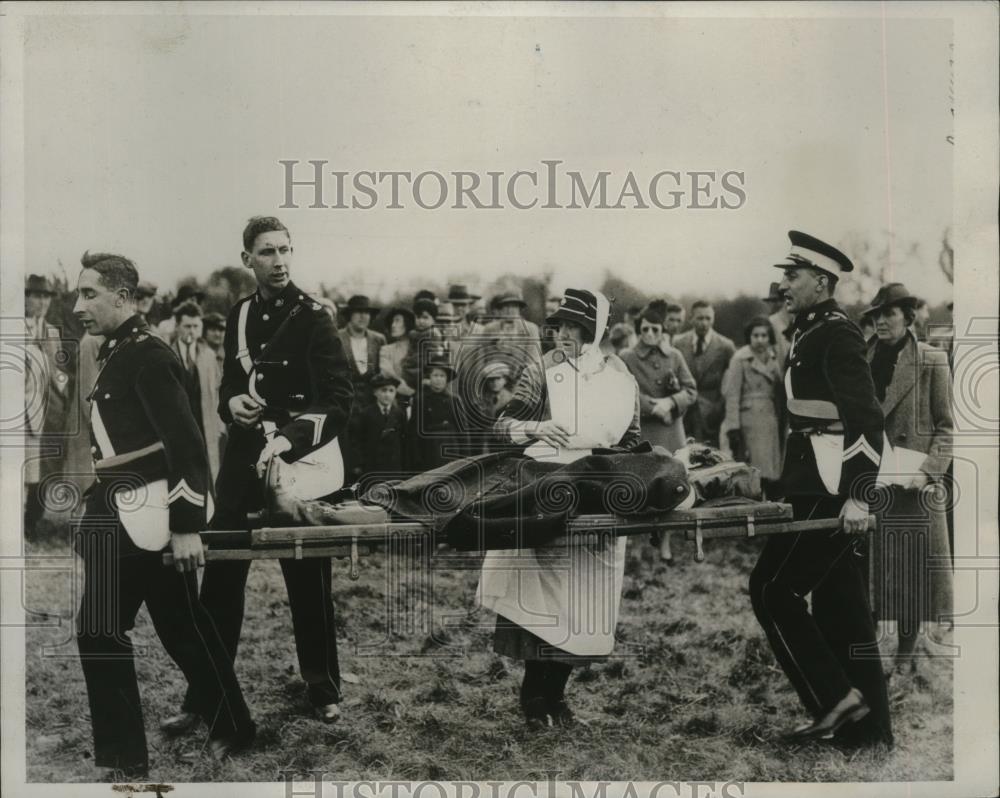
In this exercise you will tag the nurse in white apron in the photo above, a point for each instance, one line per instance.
(558, 607)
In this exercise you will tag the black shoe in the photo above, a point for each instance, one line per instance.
(536, 713)
(181, 723)
(850, 709)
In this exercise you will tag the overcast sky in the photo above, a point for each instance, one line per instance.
(158, 136)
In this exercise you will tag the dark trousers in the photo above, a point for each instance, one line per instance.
(834, 648)
(307, 581)
(119, 578)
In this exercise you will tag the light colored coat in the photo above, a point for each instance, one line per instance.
(753, 394)
(209, 380)
(910, 555)
(390, 363)
(569, 596)
(661, 372)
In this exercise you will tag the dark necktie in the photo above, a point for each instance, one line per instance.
(700, 347)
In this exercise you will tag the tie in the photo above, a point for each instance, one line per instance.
(190, 357)
(700, 347)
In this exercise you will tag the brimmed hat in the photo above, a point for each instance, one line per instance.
(808, 250)
(773, 294)
(214, 321)
(578, 307)
(358, 304)
(383, 380)
(509, 298)
(187, 293)
(36, 284)
(425, 306)
(459, 292)
(889, 295)
(425, 294)
(144, 289)
(440, 362)
(409, 321)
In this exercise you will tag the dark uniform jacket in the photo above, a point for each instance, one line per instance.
(383, 439)
(297, 370)
(141, 426)
(829, 388)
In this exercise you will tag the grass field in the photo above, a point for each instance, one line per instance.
(693, 692)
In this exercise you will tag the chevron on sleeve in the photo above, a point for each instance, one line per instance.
(184, 491)
(861, 446)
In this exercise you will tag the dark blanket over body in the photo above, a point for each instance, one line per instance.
(507, 500)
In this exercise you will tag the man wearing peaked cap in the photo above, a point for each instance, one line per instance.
(832, 458)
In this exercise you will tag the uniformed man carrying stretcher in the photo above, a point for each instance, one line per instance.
(286, 392)
(832, 459)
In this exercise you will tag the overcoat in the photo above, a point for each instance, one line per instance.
(209, 380)
(752, 391)
(911, 560)
(660, 371)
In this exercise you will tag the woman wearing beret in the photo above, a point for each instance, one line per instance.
(558, 606)
(911, 553)
(752, 388)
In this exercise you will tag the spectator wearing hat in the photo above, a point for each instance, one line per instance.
(780, 319)
(214, 332)
(495, 393)
(362, 346)
(425, 342)
(707, 353)
(437, 431)
(514, 338)
(145, 295)
(399, 324)
(463, 301)
(383, 431)
(913, 385)
(46, 395)
(666, 387)
(753, 391)
(202, 379)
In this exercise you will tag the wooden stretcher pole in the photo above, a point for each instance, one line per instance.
(340, 541)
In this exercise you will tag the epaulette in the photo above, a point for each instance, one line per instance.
(309, 303)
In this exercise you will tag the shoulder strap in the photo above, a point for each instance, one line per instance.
(242, 348)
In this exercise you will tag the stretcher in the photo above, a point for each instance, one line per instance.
(697, 524)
